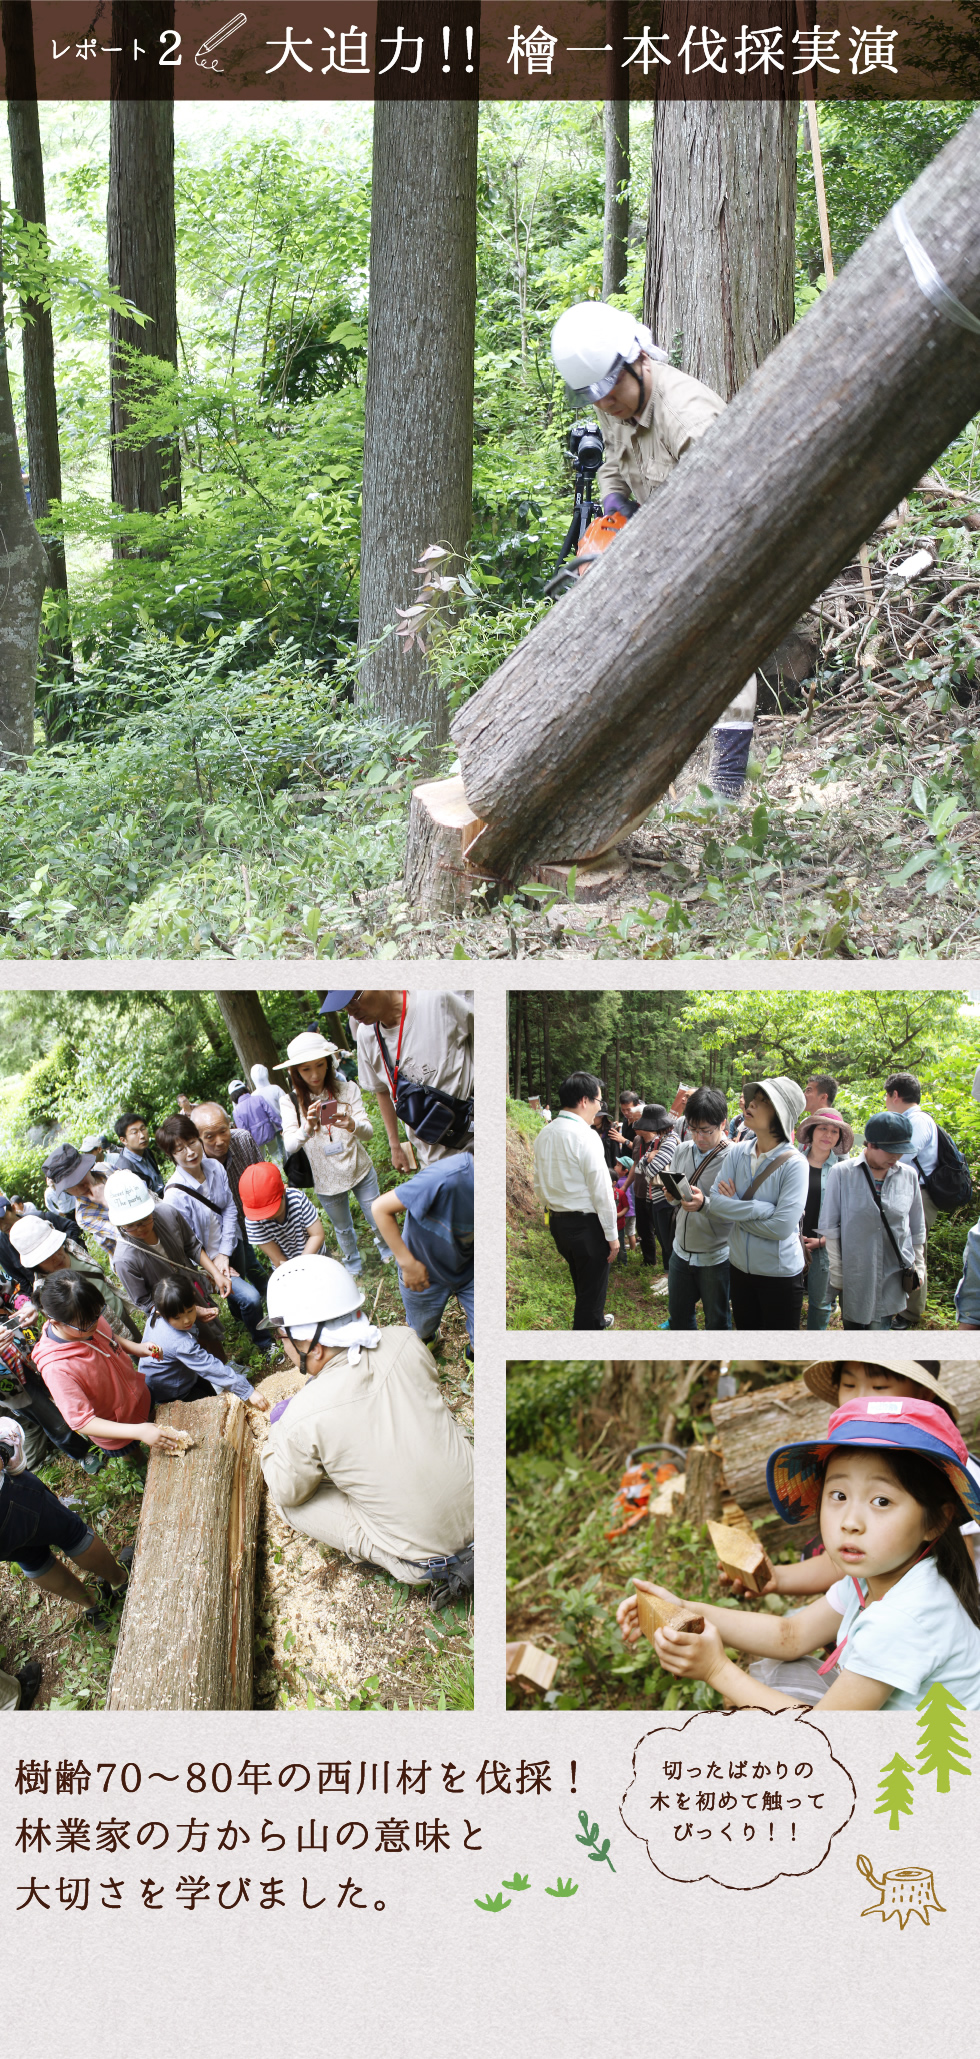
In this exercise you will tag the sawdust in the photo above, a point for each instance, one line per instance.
(327, 1628)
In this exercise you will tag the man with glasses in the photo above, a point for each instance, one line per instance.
(698, 1269)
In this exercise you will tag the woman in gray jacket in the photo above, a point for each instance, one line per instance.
(760, 1202)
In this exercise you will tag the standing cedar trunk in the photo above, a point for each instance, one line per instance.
(142, 241)
(40, 395)
(718, 293)
(23, 577)
(616, 139)
(245, 1020)
(546, 1040)
(839, 422)
(185, 1641)
(418, 412)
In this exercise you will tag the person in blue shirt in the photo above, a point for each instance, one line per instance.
(183, 1370)
(434, 1248)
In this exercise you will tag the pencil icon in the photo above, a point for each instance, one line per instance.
(231, 27)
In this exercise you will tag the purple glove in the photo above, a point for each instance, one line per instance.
(619, 504)
(279, 1409)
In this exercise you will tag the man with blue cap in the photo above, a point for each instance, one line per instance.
(874, 1225)
(415, 1054)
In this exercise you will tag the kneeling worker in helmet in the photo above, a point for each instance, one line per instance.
(651, 413)
(367, 1458)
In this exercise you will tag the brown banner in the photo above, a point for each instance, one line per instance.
(503, 50)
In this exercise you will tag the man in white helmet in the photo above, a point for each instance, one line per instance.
(651, 414)
(367, 1457)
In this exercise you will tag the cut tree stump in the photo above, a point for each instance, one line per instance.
(654, 1614)
(741, 1555)
(441, 828)
(637, 661)
(595, 878)
(186, 1636)
(904, 1890)
(702, 1484)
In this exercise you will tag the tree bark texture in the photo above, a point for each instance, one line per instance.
(142, 246)
(418, 427)
(839, 422)
(186, 1636)
(245, 1020)
(616, 140)
(720, 269)
(40, 394)
(23, 577)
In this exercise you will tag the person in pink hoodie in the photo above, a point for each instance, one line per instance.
(98, 1389)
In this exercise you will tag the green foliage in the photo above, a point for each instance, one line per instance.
(495, 1903)
(242, 811)
(872, 150)
(541, 1401)
(563, 1889)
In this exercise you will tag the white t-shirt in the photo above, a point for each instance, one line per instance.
(918, 1634)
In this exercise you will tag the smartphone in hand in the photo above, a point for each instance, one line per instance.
(328, 1109)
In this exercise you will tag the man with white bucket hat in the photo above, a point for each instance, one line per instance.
(367, 1457)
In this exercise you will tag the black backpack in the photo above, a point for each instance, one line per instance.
(949, 1186)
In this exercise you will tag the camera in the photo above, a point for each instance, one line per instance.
(585, 446)
(8, 1452)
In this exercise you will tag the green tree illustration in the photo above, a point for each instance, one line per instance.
(895, 1792)
(943, 1748)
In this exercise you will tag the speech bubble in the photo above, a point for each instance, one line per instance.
(740, 1797)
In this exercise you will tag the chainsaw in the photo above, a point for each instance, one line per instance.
(640, 1482)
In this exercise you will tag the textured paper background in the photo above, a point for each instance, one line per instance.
(632, 1956)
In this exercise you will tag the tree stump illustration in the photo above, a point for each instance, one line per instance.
(905, 1891)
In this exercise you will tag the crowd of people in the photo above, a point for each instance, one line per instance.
(759, 1214)
(111, 1297)
(896, 1495)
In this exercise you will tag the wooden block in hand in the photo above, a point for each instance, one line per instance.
(741, 1556)
(654, 1614)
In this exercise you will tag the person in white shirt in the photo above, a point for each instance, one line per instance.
(903, 1096)
(572, 1182)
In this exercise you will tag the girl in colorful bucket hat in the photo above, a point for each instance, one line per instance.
(891, 1487)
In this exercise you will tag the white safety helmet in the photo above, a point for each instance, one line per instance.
(315, 1301)
(591, 343)
(127, 1199)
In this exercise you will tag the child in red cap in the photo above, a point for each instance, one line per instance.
(280, 1220)
(891, 1485)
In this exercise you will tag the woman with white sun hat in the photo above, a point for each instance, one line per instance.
(326, 1118)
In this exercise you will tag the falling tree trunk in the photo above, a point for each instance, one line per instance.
(23, 577)
(720, 248)
(418, 409)
(839, 422)
(142, 242)
(616, 139)
(40, 396)
(245, 1020)
(186, 1636)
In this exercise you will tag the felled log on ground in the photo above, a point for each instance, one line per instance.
(639, 658)
(186, 1636)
